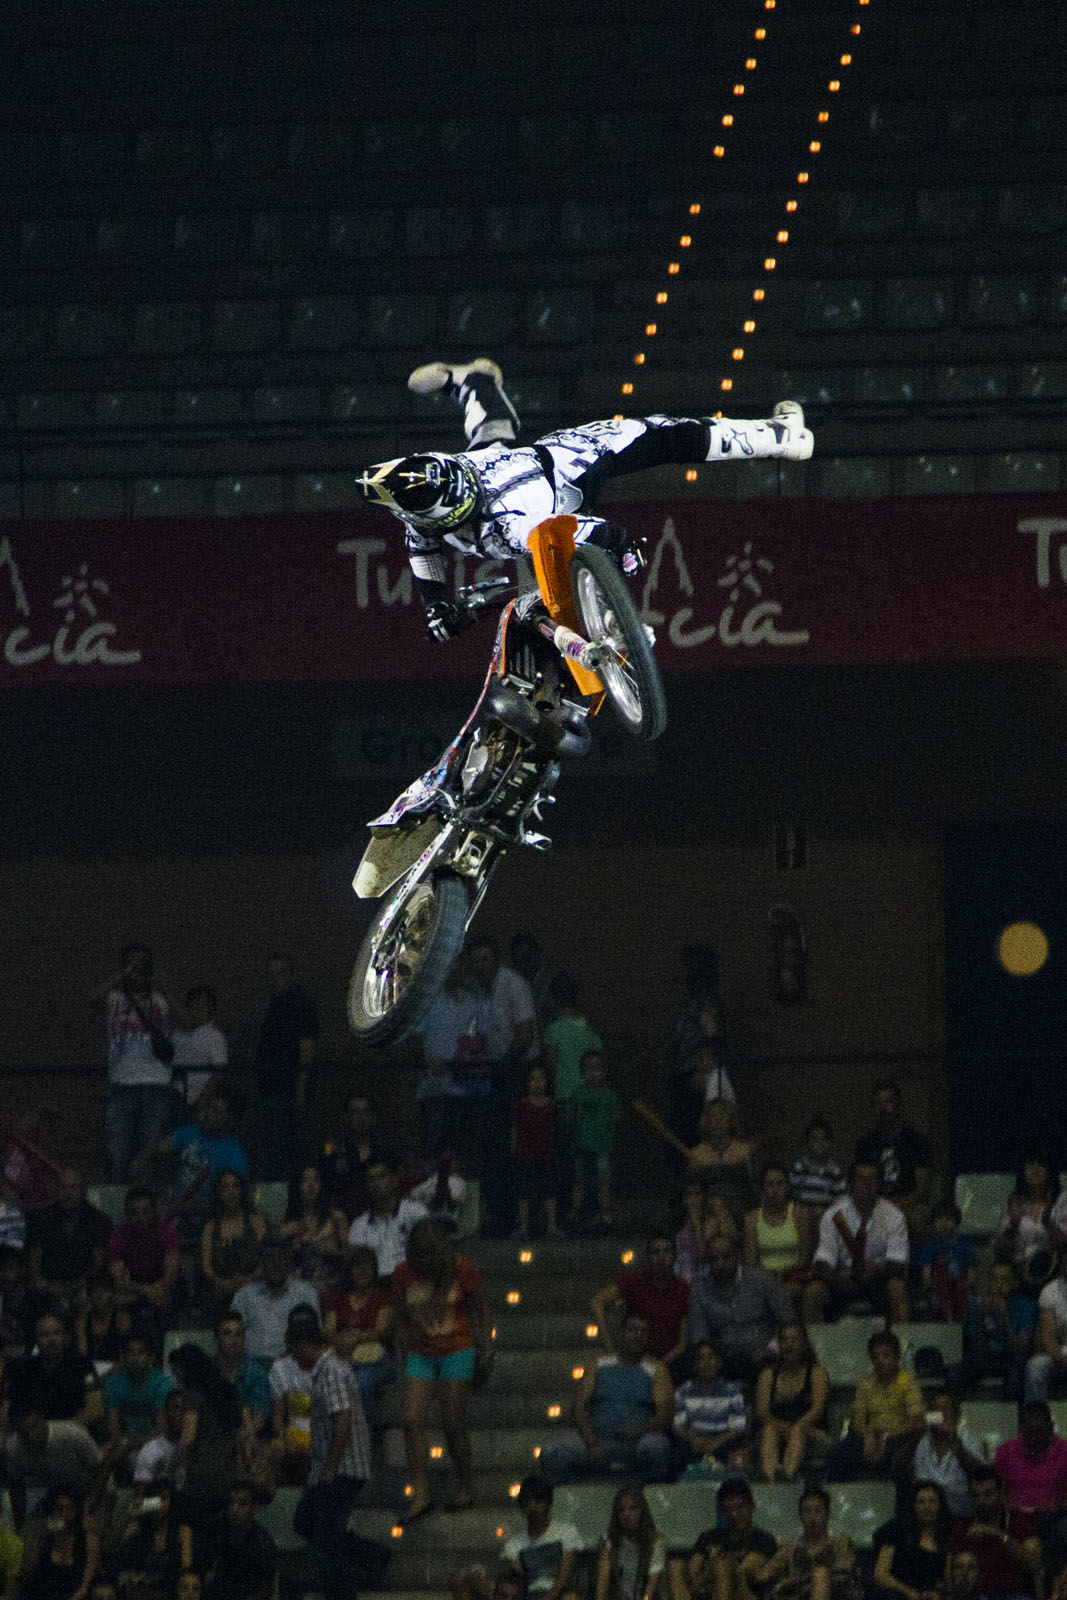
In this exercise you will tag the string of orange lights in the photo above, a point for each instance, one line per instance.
(792, 205)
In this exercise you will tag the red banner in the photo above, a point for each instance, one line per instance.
(327, 597)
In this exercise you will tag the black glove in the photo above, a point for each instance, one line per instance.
(445, 620)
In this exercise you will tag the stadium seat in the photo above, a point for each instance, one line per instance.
(981, 1197)
(857, 1509)
(991, 1422)
(944, 1336)
(277, 1518)
(587, 1506)
(842, 1349)
(273, 1200)
(202, 1337)
(110, 1198)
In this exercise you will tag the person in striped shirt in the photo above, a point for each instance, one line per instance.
(815, 1179)
(710, 1418)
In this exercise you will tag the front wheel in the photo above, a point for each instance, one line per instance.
(406, 956)
(610, 620)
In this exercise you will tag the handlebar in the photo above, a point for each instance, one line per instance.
(480, 596)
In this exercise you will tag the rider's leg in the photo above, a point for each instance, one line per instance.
(478, 389)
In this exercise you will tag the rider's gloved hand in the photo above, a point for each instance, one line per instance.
(444, 620)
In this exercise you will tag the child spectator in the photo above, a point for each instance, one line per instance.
(887, 1417)
(998, 1330)
(815, 1178)
(949, 1265)
(534, 1125)
(710, 1419)
(545, 1553)
(596, 1111)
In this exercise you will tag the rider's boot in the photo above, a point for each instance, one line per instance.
(478, 389)
(783, 435)
(619, 543)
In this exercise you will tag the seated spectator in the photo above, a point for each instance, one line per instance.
(12, 1217)
(703, 1214)
(69, 1551)
(1033, 1219)
(632, 1556)
(654, 1292)
(710, 1419)
(386, 1225)
(144, 1255)
(815, 1179)
(544, 1555)
(160, 1456)
(472, 1583)
(887, 1417)
(20, 1306)
(730, 1560)
(1033, 1465)
(66, 1243)
(290, 1407)
(903, 1157)
(200, 1048)
(1004, 1541)
(791, 1397)
(723, 1160)
(100, 1327)
(623, 1412)
(998, 1332)
(264, 1305)
(317, 1232)
(42, 1456)
(247, 1377)
(203, 1149)
(10, 1563)
(1046, 1370)
(154, 1547)
(213, 1442)
(134, 1392)
(241, 1557)
(947, 1454)
(231, 1244)
(346, 1159)
(949, 1263)
(739, 1308)
(964, 1580)
(359, 1325)
(777, 1233)
(57, 1381)
(820, 1565)
(913, 1548)
(862, 1254)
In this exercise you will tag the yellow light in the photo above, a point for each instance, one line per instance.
(739, 88)
(513, 1490)
(790, 205)
(728, 120)
(834, 85)
(694, 209)
(650, 329)
(1022, 949)
(727, 383)
(639, 359)
(616, 416)
(526, 1256)
(855, 28)
(500, 1533)
(514, 1297)
(396, 1531)
(749, 326)
(719, 150)
(686, 240)
(591, 1330)
(554, 1411)
(783, 236)
(824, 116)
(802, 177)
(673, 267)
(409, 1489)
(769, 264)
(437, 1452)
(577, 1373)
(846, 61)
(537, 1452)
(627, 1257)
(760, 33)
(492, 1333)
(627, 388)
(815, 147)
(759, 294)
(769, 5)
(737, 355)
(661, 298)
(750, 64)
(691, 475)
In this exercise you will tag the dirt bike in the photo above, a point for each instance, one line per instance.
(569, 639)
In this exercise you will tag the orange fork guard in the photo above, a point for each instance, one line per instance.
(551, 547)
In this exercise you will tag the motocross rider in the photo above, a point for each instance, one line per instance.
(487, 499)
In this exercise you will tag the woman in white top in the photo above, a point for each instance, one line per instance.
(1035, 1219)
(632, 1553)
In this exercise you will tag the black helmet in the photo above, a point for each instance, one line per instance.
(431, 491)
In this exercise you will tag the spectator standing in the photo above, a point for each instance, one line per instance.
(632, 1556)
(815, 1179)
(144, 1257)
(567, 1037)
(386, 1226)
(528, 960)
(911, 1550)
(791, 1398)
(1004, 1541)
(66, 1243)
(887, 1418)
(820, 1565)
(285, 1058)
(623, 1413)
(862, 1253)
(445, 1035)
(264, 1305)
(442, 1333)
(200, 1047)
(511, 1044)
(903, 1157)
(346, 1160)
(339, 1457)
(654, 1292)
(231, 1244)
(710, 1417)
(213, 1444)
(949, 1264)
(1033, 1465)
(595, 1107)
(699, 1023)
(545, 1553)
(739, 1308)
(140, 1050)
(317, 1231)
(534, 1141)
(729, 1561)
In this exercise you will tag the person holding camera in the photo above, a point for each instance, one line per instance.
(140, 1049)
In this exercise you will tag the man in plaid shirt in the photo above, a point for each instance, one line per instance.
(339, 1455)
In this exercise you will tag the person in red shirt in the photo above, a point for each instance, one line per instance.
(655, 1293)
(534, 1132)
(442, 1332)
(1033, 1465)
(1005, 1542)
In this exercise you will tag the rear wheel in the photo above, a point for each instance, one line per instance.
(405, 957)
(609, 619)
